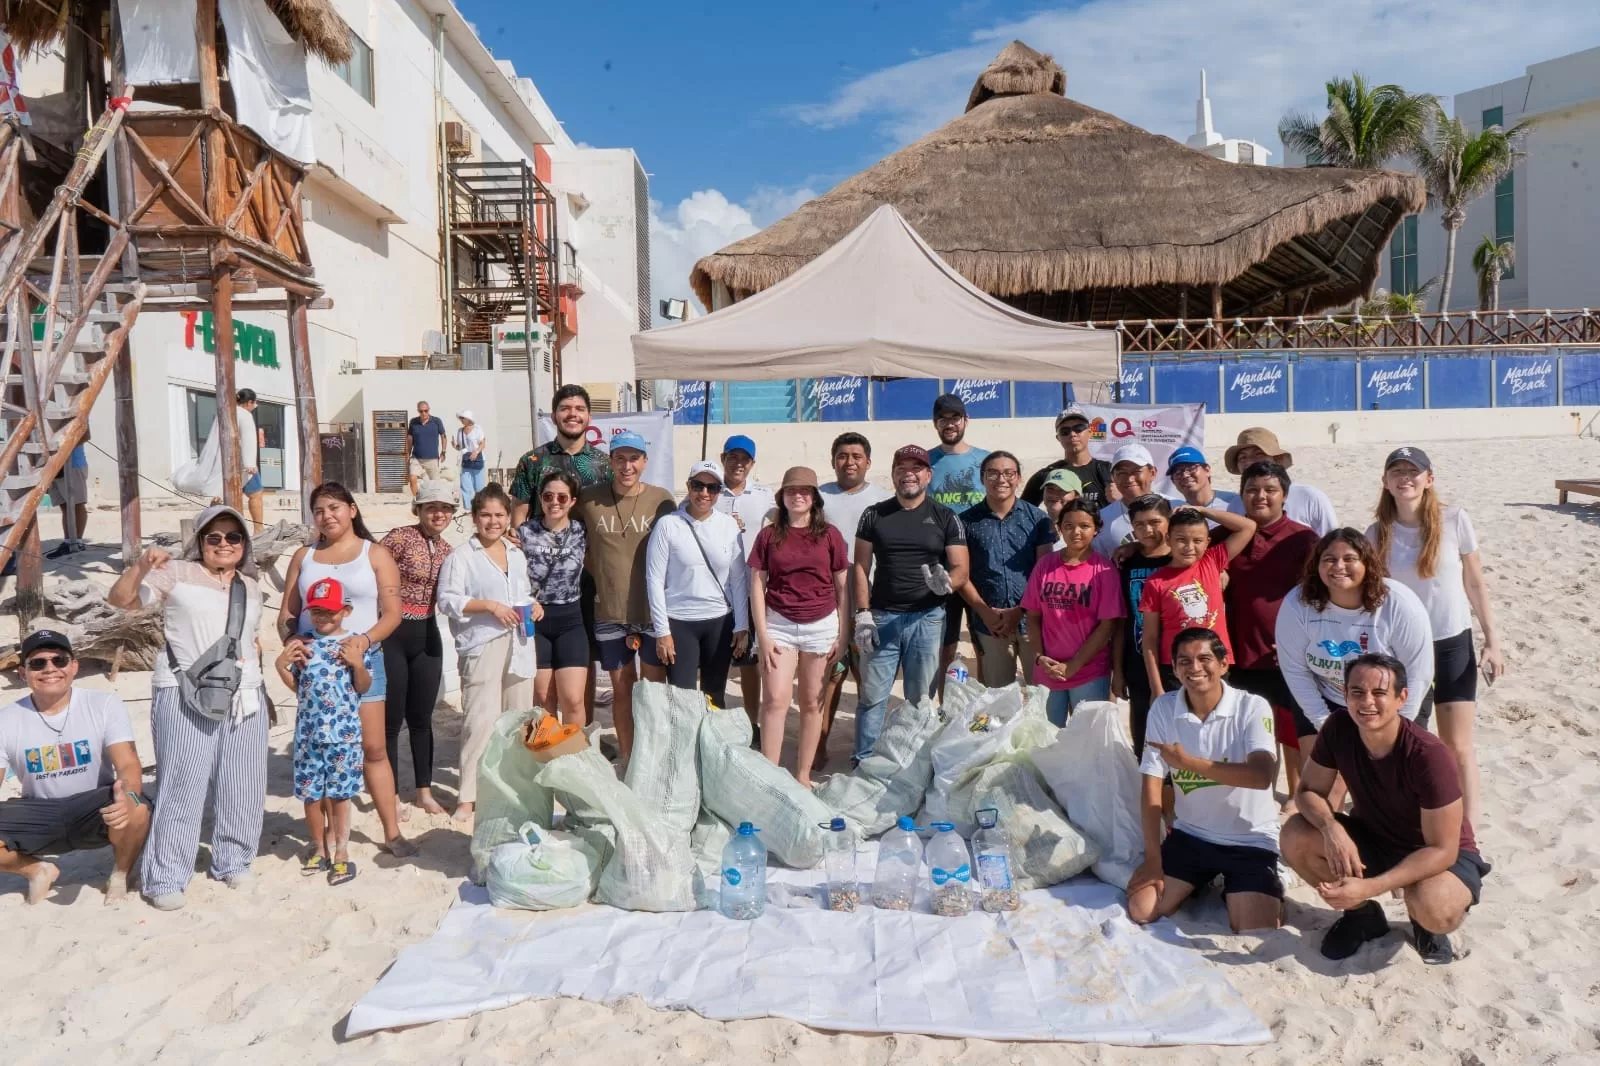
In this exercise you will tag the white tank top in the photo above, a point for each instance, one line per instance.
(360, 583)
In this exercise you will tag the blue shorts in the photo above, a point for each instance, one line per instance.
(380, 678)
(615, 654)
(327, 771)
(253, 486)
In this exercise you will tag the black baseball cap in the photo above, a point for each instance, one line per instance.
(949, 404)
(45, 638)
(1415, 456)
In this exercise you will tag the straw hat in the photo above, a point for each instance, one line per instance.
(1261, 438)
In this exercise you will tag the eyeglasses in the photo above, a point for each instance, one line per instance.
(40, 662)
(709, 487)
(1002, 475)
(215, 540)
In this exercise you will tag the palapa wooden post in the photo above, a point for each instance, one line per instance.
(1216, 304)
(121, 187)
(305, 403)
(222, 259)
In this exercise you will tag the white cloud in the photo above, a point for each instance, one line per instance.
(704, 222)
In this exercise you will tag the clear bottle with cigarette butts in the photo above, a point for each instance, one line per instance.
(839, 860)
(991, 846)
(894, 883)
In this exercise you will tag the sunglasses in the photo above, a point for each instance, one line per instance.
(215, 539)
(555, 497)
(41, 662)
(710, 488)
(1067, 431)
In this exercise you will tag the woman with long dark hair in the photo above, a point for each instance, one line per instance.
(345, 552)
(798, 607)
(555, 543)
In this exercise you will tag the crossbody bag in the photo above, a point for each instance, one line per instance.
(209, 684)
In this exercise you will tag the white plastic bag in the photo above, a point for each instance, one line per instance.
(738, 784)
(663, 770)
(970, 738)
(542, 871)
(1092, 772)
(892, 780)
(1046, 847)
(509, 793)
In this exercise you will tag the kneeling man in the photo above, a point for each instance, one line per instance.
(1216, 742)
(1406, 830)
(72, 751)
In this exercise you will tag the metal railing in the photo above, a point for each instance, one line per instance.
(1449, 330)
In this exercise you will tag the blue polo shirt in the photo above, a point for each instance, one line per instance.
(1002, 552)
(426, 437)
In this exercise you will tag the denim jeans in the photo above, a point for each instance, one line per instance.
(1063, 701)
(472, 483)
(908, 641)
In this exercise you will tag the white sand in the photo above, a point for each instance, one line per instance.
(267, 974)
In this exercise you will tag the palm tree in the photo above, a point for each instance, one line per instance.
(1399, 304)
(1366, 125)
(1459, 167)
(1491, 261)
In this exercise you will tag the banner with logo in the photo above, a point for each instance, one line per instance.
(1162, 428)
(654, 426)
(984, 397)
(841, 399)
(1391, 384)
(1525, 380)
(1135, 380)
(1256, 385)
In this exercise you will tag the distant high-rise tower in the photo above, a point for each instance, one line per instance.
(1206, 139)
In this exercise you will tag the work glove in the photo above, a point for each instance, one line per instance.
(866, 634)
(937, 578)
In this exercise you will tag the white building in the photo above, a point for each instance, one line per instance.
(372, 209)
(1228, 149)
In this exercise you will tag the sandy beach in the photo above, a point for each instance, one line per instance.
(266, 974)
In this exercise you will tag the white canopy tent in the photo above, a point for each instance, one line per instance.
(880, 303)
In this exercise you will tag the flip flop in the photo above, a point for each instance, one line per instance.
(314, 865)
(342, 873)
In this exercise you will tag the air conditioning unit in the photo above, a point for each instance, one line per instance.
(457, 138)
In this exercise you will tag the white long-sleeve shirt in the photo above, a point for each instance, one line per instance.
(469, 574)
(677, 582)
(1313, 647)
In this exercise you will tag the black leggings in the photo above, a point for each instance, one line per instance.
(1139, 697)
(702, 656)
(413, 657)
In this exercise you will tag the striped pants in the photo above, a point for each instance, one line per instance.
(192, 751)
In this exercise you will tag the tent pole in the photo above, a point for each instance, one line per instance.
(705, 422)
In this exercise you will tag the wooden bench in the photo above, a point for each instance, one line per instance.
(1582, 488)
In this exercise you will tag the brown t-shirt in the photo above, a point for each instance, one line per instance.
(618, 529)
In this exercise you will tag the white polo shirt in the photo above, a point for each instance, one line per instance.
(1221, 814)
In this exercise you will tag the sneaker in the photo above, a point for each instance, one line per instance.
(239, 881)
(1435, 948)
(1354, 928)
(169, 901)
(79, 545)
(60, 551)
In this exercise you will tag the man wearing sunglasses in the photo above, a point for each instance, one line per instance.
(1072, 431)
(72, 751)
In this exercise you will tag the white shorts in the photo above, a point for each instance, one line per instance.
(70, 487)
(814, 638)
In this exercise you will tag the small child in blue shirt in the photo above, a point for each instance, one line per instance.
(329, 677)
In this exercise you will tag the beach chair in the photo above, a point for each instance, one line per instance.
(1582, 488)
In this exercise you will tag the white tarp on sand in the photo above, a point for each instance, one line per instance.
(1067, 966)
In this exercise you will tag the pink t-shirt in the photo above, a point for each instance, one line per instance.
(1072, 599)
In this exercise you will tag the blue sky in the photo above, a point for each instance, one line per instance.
(741, 112)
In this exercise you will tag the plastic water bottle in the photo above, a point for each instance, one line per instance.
(894, 884)
(957, 674)
(950, 869)
(844, 891)
(991, 845)
(744, 875)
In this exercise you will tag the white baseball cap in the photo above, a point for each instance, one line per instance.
(706, 466)
(1132, 453)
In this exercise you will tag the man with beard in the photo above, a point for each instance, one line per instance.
(570, 451)
(957, 483)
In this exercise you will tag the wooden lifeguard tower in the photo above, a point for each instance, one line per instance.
(176, 209)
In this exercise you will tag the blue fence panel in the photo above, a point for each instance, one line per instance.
(1580, 377)
(1038, 399)
(1187, 382)
(1324, 384)
(690, 407)
(1458, 380)
(762, 401)
(1525, 380)
(984, 397)
(904, 398)
(1256, 384)
(1136, 381)
(841, 399)
(1391, 384)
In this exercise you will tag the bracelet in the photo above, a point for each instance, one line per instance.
(138, 800)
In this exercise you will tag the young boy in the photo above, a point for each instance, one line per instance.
(1145, 556)
(330, 677)
(1187, 593)
(1216, 742)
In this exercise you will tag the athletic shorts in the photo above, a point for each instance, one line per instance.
(380, 678)
(1185, 857)
(955, 612)
(252, 485)
(1379, 857)
(1267, 682)
(40, 826)
(560, 639)
(1455, 669)
(612, 644)
(813, 638)
(327, 770)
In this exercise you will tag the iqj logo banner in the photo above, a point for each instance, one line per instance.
(1524, 380)
(1256, 386)
(1391, 384)
(842, 399)
(1135, 380)
(984, 397)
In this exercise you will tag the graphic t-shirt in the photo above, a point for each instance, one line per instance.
(590, 466)
(1132, 574)
(1189, 596)
(800, 572)
(1095, 475)
(957, 478)
(426, 437)
(1260, 577)
(54, 765)
(1073, 598)
(618, 531)
(1445, 593)
(843, 509)
(330, 707)
(903, 542)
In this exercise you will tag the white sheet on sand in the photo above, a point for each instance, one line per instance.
(1067, 966)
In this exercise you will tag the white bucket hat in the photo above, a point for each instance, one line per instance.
(436, 492)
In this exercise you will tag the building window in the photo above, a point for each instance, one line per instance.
(356, 71)
(1505, 206)
(1403, 257)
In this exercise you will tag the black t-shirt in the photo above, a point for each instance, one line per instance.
(1095, 475)
(902, 543)
(1133, 572)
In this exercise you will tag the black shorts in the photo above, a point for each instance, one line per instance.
(56, 826)
(955, 612)
(1185, 857)
(1455, 669)
(1379, 857)
(586, 595)
(1268, 683)
(560, 639)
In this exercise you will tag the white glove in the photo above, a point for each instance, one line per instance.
(937, 578)
(866, 634)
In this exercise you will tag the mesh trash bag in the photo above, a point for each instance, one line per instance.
(509, 792)
(542, 871)
(662, 771)
(959, 695)
(891, 781)
(971, 736)
(1046, 848)
(650, 868)
(1092, 772)
(738, 784)
(711, 834)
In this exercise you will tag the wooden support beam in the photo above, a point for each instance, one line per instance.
(305, 404)
(227, 411)
(1216, 302)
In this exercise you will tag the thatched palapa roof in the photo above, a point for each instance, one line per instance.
(1075, 214)
(33, 25)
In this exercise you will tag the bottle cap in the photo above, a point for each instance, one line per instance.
(988, 817)
(746, 829)
(837, 825)
(906, 823)
(944, 827)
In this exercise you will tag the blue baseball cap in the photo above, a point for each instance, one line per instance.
(629, 439)
(740, 443)
(1185, 456)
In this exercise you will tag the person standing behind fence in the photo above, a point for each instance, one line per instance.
(413, 656)
(471, 442)
(425, 446)
(555, 544)
(1005, 538)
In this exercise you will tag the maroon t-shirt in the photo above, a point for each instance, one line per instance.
(1391, 793)
(800, 572)
(1260, 577)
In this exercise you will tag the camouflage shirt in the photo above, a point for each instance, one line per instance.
(591, 466)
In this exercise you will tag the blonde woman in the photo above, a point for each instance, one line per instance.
(1432, 550)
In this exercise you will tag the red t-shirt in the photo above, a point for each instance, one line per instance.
(1258, 579)
(1188, 596)
(800, 572)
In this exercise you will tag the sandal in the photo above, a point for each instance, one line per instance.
(314, 865)
(342, 873)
